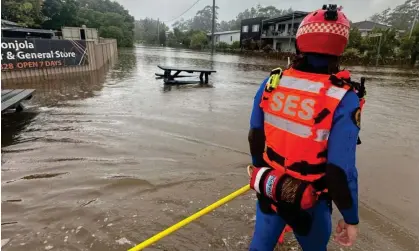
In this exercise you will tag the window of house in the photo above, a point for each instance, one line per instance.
(255, 28)
(245, 28)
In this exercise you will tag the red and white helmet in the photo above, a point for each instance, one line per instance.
(325, 31)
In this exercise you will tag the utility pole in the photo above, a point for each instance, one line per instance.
(260, 35)
(158, 31)
(413, 25)
(378, 53)
(213, 27)
(379, 45)
(291, 32)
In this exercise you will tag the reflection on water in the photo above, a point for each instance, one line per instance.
(59, 90)
(125, 66)
(13, 124)
(104, 160)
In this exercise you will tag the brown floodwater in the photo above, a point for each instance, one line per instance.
(103, 161)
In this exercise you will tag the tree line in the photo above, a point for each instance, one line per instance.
(191, 33)
(394, 45)
(110, 18)
(396, 42)
(401, 17)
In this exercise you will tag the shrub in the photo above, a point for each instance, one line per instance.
(351, 53)
(198, 40)
(235, 45)
(223, 45)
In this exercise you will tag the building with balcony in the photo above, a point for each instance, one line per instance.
(279, 32)
(250, 30)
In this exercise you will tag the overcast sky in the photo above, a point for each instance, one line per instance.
(356, 10)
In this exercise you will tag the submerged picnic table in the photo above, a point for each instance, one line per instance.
(12, 98)
(171, 78)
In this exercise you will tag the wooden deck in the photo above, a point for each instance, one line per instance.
(170, 78)
(12, 98)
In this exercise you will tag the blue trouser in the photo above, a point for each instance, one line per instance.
(269, 227)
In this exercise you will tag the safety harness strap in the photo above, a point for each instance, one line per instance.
(304, 168)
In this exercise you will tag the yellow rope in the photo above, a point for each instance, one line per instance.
(191, 218)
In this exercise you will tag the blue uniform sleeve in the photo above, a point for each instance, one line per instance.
(342, 149)
(256, 117)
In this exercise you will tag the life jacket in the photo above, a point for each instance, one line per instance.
(298, 112)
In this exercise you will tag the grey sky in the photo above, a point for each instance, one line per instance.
(356, 10)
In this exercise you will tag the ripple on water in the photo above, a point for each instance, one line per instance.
(42, 176)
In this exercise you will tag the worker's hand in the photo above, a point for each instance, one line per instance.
(345, 234)
(250, 170)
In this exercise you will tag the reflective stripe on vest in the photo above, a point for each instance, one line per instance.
(295, 128)
(311, 86)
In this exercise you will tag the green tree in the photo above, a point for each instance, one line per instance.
(111, 32)
(410, 46)
(270, 11)
(203, 19)
(128, 39)
(389, 43)
(351, 53)
(401, 17)
(222, 45)
(235, 45)
(60, 13)
(224, 26)
(23, 12)
(382, 17)
(162, 37)
(105, 15)
(146, 31)
(112, 19)
(355, 39)
(182, 24)
(198, 40)
(258, 11)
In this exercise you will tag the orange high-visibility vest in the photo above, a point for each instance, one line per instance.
(298, 115)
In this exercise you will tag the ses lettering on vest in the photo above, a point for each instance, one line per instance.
(293, 105)
(292, 134)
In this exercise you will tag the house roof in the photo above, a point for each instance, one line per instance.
(18, 29)
(369, 25)
(7, 23)
(253, 19)
(224, 32)
(289, 16)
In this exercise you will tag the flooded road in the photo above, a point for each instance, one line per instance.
(106, 160)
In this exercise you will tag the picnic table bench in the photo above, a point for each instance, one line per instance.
(12, 98)
(170, 78)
